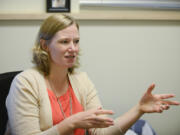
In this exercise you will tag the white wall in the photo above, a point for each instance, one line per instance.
(122, 58)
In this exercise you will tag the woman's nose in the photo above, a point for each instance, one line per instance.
(72, 47)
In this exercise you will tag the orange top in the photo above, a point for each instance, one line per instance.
(57, 115)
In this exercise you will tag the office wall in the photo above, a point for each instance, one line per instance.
(122, 58)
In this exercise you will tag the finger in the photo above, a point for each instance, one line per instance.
(107, 124)
(165, 107)
(158, 109)
(103, 119)
(165, 96)
(94, 109)
(151, 87)
(170, 102)
(101, 124)
(102, 111)
(98, 124)
(161, 109)
(99, 108)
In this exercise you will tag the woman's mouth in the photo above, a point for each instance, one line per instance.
(70, 56)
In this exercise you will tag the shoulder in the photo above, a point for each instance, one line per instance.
(29, 74)
(29, 83)
(28, 78)
(80, 77)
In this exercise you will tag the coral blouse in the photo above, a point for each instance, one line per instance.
(57, 115)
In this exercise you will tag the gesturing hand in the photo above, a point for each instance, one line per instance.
(150, 103)
(92, 119)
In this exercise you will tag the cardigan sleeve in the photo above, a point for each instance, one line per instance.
(23, 108)
(92, 101)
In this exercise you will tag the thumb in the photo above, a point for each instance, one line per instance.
(151, 87)
(99, 108)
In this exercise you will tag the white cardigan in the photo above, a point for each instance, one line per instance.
(29, 108)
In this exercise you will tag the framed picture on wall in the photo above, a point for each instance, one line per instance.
(58, 6)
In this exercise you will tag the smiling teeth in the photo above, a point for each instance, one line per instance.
(70, 56)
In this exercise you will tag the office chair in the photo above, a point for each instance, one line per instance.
(5, 83)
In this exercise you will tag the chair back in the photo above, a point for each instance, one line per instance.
(5, 83)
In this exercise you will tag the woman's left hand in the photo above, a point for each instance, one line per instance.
(150, 103)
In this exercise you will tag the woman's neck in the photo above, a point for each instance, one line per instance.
(59, 76)
(58, 80)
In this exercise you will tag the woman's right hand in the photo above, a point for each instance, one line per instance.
(88, 119)
(91, 119)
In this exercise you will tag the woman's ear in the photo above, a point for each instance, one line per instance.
(44, 45)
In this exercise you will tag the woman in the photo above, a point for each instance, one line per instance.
(53, 99)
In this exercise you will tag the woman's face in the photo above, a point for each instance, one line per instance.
(64, 47)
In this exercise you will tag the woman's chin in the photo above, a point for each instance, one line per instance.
(70, 65)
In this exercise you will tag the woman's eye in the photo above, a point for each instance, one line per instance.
(76, 41)
(68, 41)
(64, 41)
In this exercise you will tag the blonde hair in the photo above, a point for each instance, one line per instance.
(48, 29)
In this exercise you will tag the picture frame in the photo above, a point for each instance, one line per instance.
(58, 5)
